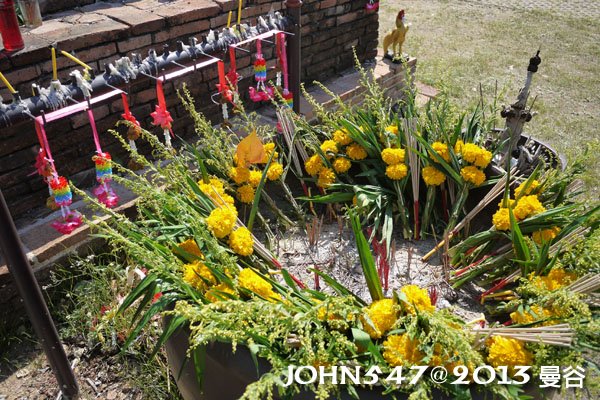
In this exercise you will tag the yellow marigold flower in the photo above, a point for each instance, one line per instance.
(216, 293)
(269, 149)
(190, 246)
(274, 172)
(501, 219)
(533, 185)
(342, 137)
(401, 350)
(458, 146)
(326, 178)
(418, 298)
(528, 206)
(382, 314)
(198, 275)
(241, 241)
(356, 152)
(245, 194)
(472, 175)
(433, 176)
(222, 220)
(393, 129)
(239, 174)
(537, 313)
(314, 165)
(254, 178)
(476, 155)
(545, 235)
(329, 148)
(341, 165)
(250, 280)
(396, 172)
(509, 352)
(442, 150)
(392, 156)
(556, 278)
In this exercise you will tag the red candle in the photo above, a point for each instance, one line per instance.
(9, 27)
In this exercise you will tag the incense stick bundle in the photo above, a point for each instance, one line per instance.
(558, 335)
(410, 130)
(586, 284)
(490, 196)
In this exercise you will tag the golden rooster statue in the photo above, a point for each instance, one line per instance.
(395, 39)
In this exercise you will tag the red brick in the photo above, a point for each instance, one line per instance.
(227, 5)
(181, 11)
(349, 17)
(189, 29)
(16, 76)
(327, 3)
(133, 43)
(140, 21)
(81, 119)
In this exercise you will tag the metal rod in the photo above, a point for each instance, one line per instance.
(36, 307)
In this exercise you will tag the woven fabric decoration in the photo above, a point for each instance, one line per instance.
(261, 92)
(103, 163)
(61, 196)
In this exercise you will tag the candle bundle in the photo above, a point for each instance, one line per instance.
(103, 163)
(61, 191)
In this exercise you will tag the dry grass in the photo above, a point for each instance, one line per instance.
(460, 44)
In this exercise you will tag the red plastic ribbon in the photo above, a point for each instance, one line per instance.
(127, 115)
(283, 60)
(160, 115)
(232, 75)
(44, 162)
(222, 86)
(94, 130)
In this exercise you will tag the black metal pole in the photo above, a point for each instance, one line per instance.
(295, 49)
(36, 308)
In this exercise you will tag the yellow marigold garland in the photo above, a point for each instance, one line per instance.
(241, 241)
(342, 137)
(396, 172)
(472, 175)
(274, 172)
(221, 221)
(198, 275)
(417, 297)
(356, 152)
(509, 352)
(314, 165)
(401, 350)
(245, 194)
(250, 280)
(392, 156)
(433, 176)
(341, 165)
(382, 314)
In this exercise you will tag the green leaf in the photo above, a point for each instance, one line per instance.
(366, 259)
(199, 357)
(257, 194)
(335, 285)
(154, 309)
(172, 325)
(140, 289)
(521, 249)
(361, 338)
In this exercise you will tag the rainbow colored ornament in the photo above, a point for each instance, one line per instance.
(103, 163)
(260, 69)
(288, 97)
(61, 191)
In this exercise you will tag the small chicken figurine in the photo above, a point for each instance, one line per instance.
(395, 39)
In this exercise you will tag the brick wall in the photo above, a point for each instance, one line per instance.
(101, 32)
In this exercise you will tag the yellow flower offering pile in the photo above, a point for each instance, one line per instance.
(394, 158)
(198, 275)
(556, 279)
(382, 315)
